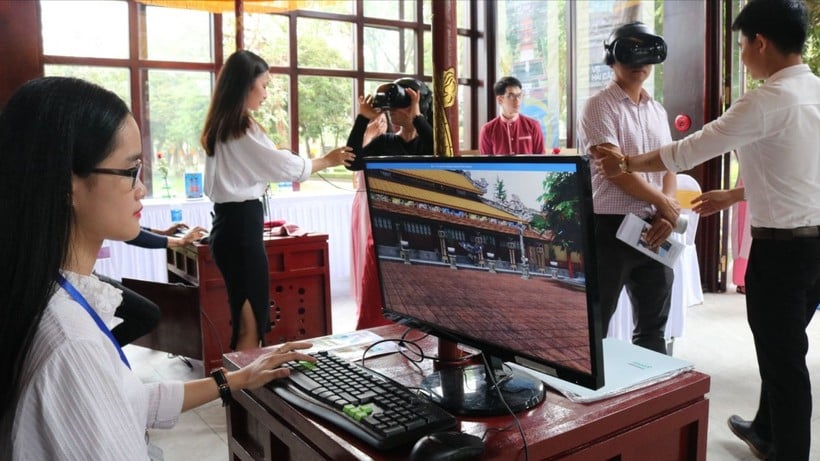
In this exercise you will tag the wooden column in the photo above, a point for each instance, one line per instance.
(445, 87)
(239, 14)
(445, 107)
(21, 46)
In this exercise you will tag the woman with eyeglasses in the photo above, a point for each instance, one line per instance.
(241, 160)
(69, 178)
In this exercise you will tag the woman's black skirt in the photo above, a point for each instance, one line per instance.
(239, 253)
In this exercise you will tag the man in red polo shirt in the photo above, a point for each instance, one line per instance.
(511, 132)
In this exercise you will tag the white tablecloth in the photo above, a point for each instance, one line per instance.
(321, 213)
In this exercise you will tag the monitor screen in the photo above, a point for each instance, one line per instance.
(494, 253)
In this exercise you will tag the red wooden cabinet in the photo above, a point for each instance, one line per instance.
(299, 291)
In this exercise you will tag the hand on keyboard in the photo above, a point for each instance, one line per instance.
(273, 365)
(373, 408)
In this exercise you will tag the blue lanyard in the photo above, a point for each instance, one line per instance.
(67, 286)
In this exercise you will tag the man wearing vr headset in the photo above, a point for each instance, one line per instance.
(625, 117)
(774, 129)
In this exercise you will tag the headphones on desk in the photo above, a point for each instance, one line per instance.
(634, 44)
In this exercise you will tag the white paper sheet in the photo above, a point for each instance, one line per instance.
(631, 232)
(627, 367)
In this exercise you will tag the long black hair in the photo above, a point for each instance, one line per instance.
(50, 128)
(227, 116)
(425, 96)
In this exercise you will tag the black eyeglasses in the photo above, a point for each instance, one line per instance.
(132, 173)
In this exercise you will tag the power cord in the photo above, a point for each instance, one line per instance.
(334, 184)
(320, 176)
(516, 421)
(419, 356)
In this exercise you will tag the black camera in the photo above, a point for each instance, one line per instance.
(390, 96)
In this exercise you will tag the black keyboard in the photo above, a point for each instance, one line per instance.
(376, 410)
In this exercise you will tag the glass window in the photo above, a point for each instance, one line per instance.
(269, 36)
(463, 14)
(595, 22)
(389, 50)
(409, 8)
(325, 105)
(384, 10)
(428, 53)
(75, 28)
(177, 91)
(532, 48)
(229, 33)
(172, 34)
(274, 115)
(115, 79)
(371, 85)
(463, 57)
(326, 6)
(464, 108)
(176, 107)
(325, 44)
(427, 11)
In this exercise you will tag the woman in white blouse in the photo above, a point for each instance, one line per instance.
(70, 163)
(240, 162)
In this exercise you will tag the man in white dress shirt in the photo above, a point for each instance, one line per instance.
(776, 132)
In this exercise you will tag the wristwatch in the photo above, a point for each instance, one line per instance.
(624, 165)
(218, 374)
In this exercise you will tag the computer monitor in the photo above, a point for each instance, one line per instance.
(495, 253)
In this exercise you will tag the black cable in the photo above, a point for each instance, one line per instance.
(414, 354)
(322, 177)
(392, 340)
(420, 356)
(512, 413)
(333, 184)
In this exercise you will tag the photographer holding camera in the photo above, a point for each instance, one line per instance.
(406, 103)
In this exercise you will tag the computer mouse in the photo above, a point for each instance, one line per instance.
(448, 446)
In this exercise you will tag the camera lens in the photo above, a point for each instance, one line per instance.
(391, 96)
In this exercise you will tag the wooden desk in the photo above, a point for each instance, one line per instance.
(664, 422)
(195, 315)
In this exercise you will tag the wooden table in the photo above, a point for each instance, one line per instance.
(195, 315)
(666, 421)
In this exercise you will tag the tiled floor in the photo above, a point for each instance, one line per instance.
(717, 340)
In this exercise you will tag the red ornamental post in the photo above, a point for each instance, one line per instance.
(445, 83)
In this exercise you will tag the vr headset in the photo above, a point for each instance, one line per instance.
(634, 44)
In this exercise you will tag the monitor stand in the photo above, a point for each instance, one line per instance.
(468, 390)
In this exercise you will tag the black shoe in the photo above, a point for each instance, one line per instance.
(743, 429)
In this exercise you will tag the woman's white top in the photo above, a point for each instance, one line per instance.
(241, 168)
(79, 400)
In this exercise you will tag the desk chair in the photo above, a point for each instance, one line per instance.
(686, 289)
